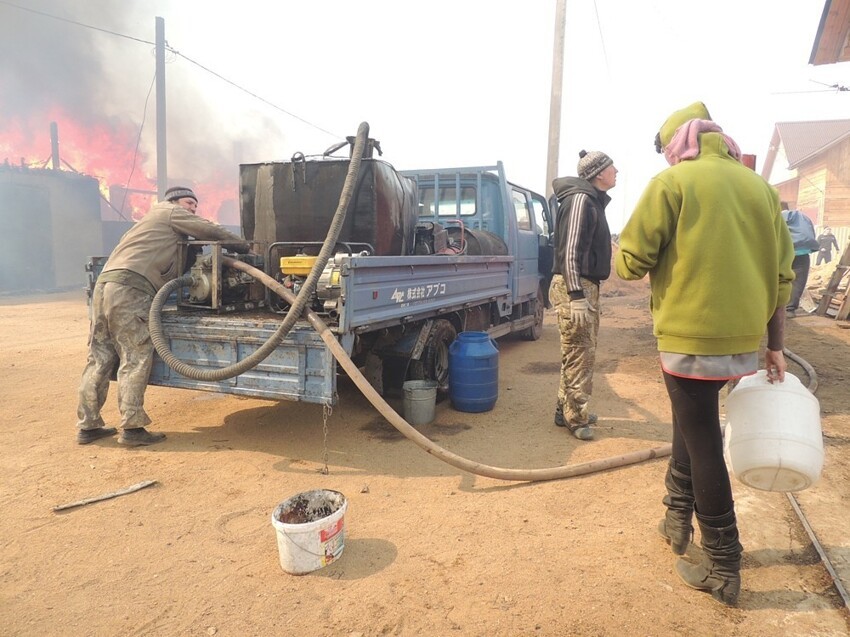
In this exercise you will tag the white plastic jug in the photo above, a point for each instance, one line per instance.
(774, 434)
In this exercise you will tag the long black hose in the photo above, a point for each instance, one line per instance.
(159, 341)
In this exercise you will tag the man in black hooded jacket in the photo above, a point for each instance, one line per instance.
(582, 261)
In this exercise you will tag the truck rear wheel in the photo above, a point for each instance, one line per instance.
(434, 362)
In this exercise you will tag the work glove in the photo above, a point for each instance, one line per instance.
(579, 311)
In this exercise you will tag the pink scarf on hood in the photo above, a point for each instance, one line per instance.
(685, 142)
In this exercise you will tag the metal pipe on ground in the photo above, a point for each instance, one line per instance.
(830, 569)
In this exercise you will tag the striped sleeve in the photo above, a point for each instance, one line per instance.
(572, 253)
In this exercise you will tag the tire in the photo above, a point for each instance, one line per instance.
(534, 332)
(434, 362)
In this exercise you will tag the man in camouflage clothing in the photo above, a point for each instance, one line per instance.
(143, 261)
(582, 260)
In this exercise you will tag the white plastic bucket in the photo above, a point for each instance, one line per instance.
(310, 530)
(420, 401)
(774, 434)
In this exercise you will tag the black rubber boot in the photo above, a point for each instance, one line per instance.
(720, 570)
(676, 527)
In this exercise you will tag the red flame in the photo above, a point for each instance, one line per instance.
(106, 150)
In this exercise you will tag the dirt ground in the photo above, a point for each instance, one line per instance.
(429, 550)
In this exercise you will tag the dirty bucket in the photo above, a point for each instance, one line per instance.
(420, 401)
(310, 530)
(774, 434)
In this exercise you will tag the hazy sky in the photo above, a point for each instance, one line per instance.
(442, 83)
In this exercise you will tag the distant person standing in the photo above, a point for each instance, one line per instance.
(708, 232)
(825, 242)
(144, 260)
(803, 237)
(582, 261)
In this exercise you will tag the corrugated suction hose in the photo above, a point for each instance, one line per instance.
(298, 303)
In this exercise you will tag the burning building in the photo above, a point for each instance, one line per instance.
(50, 223)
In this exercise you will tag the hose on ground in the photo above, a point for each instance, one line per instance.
(160, 343)
(410, 432)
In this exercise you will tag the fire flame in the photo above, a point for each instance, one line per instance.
(106, 150)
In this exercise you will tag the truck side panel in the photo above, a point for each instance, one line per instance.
(301, 368)
(381, 291)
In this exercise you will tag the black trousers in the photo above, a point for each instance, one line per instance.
(698, 441)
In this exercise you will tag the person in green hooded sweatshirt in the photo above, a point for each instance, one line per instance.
(709, 233)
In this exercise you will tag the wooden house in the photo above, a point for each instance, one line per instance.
(809, 163)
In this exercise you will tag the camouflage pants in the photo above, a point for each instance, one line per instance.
(119, 337)
(578, 350)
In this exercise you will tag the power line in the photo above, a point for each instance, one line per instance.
(602, 40)
(175, 52)
(74, 22)
(138, 142)
(254, 95)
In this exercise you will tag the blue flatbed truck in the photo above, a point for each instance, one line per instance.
(423, 255)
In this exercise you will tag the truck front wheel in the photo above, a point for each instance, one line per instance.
(434, 362)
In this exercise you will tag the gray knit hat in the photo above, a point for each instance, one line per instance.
(592, 163)
(178, 192)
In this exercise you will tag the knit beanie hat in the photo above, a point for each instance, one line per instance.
(592, 163)
(178, 192)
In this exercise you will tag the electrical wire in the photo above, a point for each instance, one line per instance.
(74, 22)
(602, 39)
(138, 142)
(254, 95)
(178, 53)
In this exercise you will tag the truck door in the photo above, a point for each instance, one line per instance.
(527, 275)
(545, 241)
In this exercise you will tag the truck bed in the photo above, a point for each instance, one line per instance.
(376, 291)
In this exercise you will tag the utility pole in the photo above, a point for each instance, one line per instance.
(161, 152)
(555, 103)
(54, 146)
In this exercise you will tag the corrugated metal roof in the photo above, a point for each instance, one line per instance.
(802, 140)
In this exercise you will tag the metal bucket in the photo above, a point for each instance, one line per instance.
(420, 401)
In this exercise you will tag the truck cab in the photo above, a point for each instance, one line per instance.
(482, 199)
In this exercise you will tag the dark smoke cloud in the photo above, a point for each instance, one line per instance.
(96, 77)
(47, 61)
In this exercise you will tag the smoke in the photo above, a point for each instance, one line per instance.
(94, 81)
(51, 61)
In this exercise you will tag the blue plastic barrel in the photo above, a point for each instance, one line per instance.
(473, 372)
